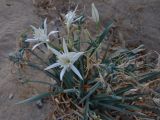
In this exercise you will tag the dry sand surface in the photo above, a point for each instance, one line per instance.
(15, 16)
(139, 22)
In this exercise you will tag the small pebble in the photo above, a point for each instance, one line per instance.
(39, 104)
(8, 4)
(11, 96)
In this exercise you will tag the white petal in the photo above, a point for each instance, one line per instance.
(75, 70)
(65, 46)
(52, 66)
(54, 51)
(76, 56)
(76, 8)
(71, 54)
(36, 45)
(45, 26)
(34, 28)
(31, 40)
(52, 32)
(62, 73)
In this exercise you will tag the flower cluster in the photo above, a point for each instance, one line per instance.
(65, 59)
(40, 35)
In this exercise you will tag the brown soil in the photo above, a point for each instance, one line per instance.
(137, 20)
(16, 16)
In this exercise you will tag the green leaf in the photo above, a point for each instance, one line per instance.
(105, 32)
(122, 110)
(81, 88)
(91, 91)
(40, 96)
(106, 97)
(105, 117)
(149, 76)
(111, 107)
(129, 107)
(41, 82)
(35, 98)
(86, 112)
(72, 91)
(68, 79)
(121, 91)
(95, 44)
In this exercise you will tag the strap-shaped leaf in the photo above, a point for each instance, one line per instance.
(35, 98)
(129, 107)
(86, 112)
(122, 110)
(105, 117)
(105, 32)
(91, 91)
(68, 79)
(40, 82)
(95, 44)
(43, 95)
(149, 76)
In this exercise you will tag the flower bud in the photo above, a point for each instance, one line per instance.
(95, 14)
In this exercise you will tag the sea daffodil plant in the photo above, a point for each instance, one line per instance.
(93, 84)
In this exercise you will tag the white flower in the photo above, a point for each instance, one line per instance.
(95, 14)
(40, 35)
(66, 60)
(70, 18)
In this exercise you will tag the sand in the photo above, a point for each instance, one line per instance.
(138, 20)
(15, 17)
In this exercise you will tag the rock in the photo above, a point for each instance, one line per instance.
(39, 104)
(11, 96)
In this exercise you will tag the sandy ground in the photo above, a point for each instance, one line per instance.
(15, 16)
(138, 20)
